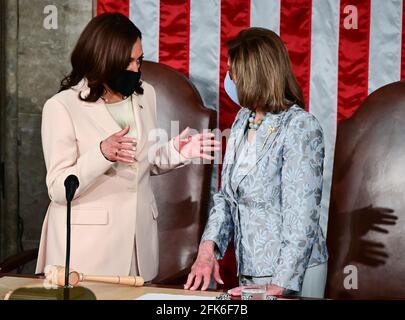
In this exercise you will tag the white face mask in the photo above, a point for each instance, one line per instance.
(230, 89)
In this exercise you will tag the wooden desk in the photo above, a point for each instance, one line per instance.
(101, 290)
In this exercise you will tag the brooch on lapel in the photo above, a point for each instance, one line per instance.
(270, 131)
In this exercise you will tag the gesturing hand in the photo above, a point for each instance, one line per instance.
(117, 147)
(197, 145)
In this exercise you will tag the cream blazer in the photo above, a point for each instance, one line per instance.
(114, 204)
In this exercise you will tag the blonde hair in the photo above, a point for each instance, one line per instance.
(260, 64)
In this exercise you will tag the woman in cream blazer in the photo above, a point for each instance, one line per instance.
(114, 210)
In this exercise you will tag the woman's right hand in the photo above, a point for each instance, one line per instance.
(204, 266)
(117, 147)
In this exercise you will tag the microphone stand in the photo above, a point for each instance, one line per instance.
(67, 263)
(71, 184)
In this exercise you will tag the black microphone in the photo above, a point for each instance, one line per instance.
(71, 185)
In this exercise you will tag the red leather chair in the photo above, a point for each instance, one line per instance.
(366, 232)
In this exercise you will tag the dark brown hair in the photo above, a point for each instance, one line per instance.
(261, 68)
(101, 53)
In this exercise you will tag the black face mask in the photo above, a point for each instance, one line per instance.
(126, 83)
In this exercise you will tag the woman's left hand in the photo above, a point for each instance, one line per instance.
(272, 290)
(197, 145)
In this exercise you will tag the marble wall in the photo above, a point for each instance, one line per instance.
(38, 57)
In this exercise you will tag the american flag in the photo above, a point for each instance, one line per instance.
(341, 50)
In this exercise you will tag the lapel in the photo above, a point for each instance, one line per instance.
(100, 115)
(137, 102)
(97, 111)
(265, 136)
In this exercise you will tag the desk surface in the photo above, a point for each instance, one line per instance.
(102, 291)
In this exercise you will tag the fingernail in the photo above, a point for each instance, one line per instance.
(220, 281)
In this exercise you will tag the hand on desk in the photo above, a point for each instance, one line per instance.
(202, 269)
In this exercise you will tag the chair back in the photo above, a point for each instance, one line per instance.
(366, 229)
(182, 195)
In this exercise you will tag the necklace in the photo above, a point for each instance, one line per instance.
(254, 125)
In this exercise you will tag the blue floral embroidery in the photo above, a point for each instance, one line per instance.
(272, 210)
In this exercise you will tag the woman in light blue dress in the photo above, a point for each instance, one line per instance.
(271, 187)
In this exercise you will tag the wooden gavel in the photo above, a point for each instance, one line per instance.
(56, 275)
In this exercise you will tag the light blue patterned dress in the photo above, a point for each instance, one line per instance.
(270, 198)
